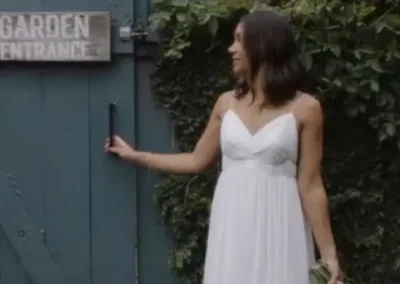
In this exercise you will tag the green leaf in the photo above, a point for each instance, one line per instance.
(366, 11)
(165, 15)
(379, 27)
(213, 25)
(157, 23)
(180, 3)
(307, 60)
(331, 67)
(374, 85)
(390, 129)
(366, 50)
(375, 65)
(357, 54)
(380, 100)
(351, 89)
(181, 17)
(337, 82)
(335, 49)
(382, 135)
(392, 20)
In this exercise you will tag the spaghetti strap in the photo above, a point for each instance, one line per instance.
(231, 103)
(296, 103)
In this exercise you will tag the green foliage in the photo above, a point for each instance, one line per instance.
(353, 47)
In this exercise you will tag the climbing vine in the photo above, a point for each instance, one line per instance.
(351, 50)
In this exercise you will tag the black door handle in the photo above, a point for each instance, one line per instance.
(111, 121)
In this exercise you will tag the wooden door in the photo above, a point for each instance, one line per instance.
(67, 209)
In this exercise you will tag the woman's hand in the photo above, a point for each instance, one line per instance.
(120, 148)
(334, 269)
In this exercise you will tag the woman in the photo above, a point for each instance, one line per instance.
(270, 136)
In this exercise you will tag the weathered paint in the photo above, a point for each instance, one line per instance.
(24, 235)
(55, 36)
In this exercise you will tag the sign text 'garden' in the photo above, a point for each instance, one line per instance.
(83, 36)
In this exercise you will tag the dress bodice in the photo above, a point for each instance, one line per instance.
(273, 147)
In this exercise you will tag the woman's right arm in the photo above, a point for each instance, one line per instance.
(202, 157)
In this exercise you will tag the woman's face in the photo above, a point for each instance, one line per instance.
(236, 50)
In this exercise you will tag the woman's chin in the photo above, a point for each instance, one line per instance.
(237, 72)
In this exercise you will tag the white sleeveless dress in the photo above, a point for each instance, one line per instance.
(258, 233)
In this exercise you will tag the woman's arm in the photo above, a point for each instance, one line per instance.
(313, 194)
(202, 157)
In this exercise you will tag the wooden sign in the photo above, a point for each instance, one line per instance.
(58, 36)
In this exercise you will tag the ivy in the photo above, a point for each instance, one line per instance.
(351, 49)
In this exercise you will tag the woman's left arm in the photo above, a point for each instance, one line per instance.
(312, 191)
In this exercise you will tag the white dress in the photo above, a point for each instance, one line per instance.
(258, 233)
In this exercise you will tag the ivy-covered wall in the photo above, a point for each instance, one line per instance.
(351, 49)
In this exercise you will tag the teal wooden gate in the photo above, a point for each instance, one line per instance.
(69, 213)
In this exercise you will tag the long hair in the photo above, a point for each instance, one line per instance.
(271, 50)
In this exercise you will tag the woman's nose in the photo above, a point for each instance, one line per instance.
(231, 49)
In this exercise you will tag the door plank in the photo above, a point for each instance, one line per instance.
(153, 134)
(24, 235)
(67, 172)
(113, 182)
(22, 120)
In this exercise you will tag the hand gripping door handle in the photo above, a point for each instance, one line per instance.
(111, 122)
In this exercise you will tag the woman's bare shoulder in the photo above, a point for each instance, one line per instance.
(224, 102)
(309, 109)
